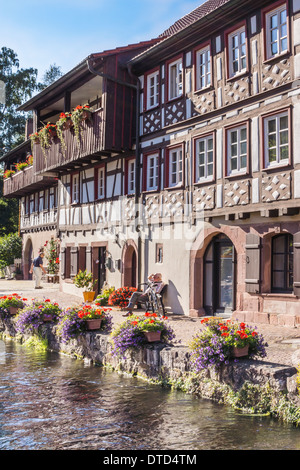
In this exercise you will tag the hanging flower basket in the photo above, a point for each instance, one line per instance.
(152, 336)
(240, 352)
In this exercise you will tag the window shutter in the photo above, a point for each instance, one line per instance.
(62, 262)
(74, 261)
(88, 261)
(297, 264)
(253, 249)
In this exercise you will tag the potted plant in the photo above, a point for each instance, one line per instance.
(10, 304)
(64, 122)
(221, 340)
(133, 333)
(120, 297)
(102, 299)
(84, 280)
(73, 322)
(34, 315)
(93, 317)
(79, 114)
(8, 173)
(21, 166)
(18, 273)
(35, 138)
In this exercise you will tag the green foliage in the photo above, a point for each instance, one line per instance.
(9, 210)
(84, 280)
(10, 248)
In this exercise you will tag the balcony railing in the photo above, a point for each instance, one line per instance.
(24, 182)
(63, 155)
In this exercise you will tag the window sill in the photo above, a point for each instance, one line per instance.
(242, 174)
(153, 108)
(204, 90)
(277, 57)
(177, 98)
(205, 182)
(237, 76)
(179, 186)
(289, 295)
(279, 166)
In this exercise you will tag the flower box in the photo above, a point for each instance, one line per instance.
(240, 352)
(13, 310)
(93, 324)
(47, 317)
(152, 336)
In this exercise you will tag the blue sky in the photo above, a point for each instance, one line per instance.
(67, 31)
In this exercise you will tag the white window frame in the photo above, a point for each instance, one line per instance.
(280, 36)
(153, 90)
(206, 163)
(239, 153)
(203, 68)
(152, 179)
(75, 188)
(277, 134)
(131, 176)
(175, 177)
(239, 49)
(175, 74)
(101, 182)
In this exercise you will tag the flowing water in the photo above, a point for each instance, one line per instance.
(52, 402)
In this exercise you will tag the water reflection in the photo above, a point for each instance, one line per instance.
(52, 402)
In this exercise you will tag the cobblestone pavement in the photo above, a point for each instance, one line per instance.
(283, 342)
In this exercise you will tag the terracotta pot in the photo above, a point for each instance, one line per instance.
(13, 310)
(86, 115)
(152, 336)
(240, 352)
(88, 296)
(93, 324)
(68, 124)
(47, 317)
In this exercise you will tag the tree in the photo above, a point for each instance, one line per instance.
(20, 84)
(51, 75)
(10, 248)
(9, 211)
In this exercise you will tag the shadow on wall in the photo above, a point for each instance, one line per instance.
(171, 300)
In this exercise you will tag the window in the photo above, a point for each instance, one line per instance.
(237, 150)
(175, 79)
(153, 90)
(175, 175)
(159, 253)
(31, 203)
(237, 52)
(100, 182)
(41, 201)
(152, 176)
(204, 159)
(276, 135)
(276, 32)
(130, 177)
(203, 72)
(52, 200)
(75, 188)
(282, 263)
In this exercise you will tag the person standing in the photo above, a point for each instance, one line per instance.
(38, 269)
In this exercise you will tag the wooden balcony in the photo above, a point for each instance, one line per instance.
(61, 157)
(25, 182)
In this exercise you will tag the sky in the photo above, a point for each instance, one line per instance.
(64, 32)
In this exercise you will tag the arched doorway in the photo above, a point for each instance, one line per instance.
(28, 255)
(219, 276)
(130, 265)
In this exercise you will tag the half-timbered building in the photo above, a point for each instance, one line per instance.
(190, 165)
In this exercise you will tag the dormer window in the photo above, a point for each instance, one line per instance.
(175, 75)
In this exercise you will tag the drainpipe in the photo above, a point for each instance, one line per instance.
(137, 145)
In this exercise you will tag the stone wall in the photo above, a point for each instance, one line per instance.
(167, 364)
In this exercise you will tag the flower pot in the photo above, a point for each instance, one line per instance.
(88, 296)
(47, 317)
(152, 336)
(52, 133)
(86, 115)
(68, 124)
(240, 352)
(13, 310)
(93, 324)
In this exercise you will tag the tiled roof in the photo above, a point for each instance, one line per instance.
(195, 15)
